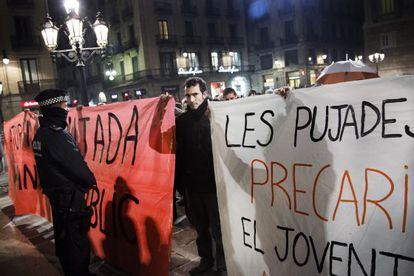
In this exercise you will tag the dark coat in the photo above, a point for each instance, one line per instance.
(194, 156)
(59, 162)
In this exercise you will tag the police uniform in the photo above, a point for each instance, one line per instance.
(64, 179)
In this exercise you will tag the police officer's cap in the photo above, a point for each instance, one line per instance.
(50, 97)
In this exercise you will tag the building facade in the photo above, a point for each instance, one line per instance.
(30, 68)
(158, 44)
(291, 41)
(388, 29)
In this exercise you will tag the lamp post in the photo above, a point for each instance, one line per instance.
(75, 29)
(377, 58)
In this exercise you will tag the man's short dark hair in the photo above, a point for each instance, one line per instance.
(228, 91)
(193, 81)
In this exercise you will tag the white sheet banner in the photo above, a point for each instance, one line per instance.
(321, 183)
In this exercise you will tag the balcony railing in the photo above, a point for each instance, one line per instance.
(236, 40)
(164, 8)
(166, 39)
(189, 10)
(23, 4)
(215, 40)
(33, 88)
(212, 12)
(263, 45)
(190, 39)
(26, 42)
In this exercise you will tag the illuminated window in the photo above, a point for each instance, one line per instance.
(387, 6)
(214, 60)
(163, 29)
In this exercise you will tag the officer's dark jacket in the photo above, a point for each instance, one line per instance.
(194, 156)
(59, 162)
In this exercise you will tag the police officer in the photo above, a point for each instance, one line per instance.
(64, 178)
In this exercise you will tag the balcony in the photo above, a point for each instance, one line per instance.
(20, 4)
(189, 10)
(162, 8)
(289, 40)
(212, 12)
(190, 39)
(233, 14)
(166, 39)
(26, 42)
(236, 40)
(215, 40)
(263, 45)
(33, 88)
(130, 44)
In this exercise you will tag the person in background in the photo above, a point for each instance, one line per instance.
(65, 179)
(229, 94)
(195, 175)
(252, 93)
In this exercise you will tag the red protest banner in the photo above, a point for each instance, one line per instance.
(130, 148)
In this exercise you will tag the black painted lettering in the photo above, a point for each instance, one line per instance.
(132, 138)
(366, 104)
(254, 236)
(122, 201)
(349, 110)
(319, 264)
(111, 116)
(295, 242)
(396, 257)
(297, 126)
(332, 257)
(313, 125)
(287, 230)
(226, 132)
(262, 118)
(386, 121)
(99, 141)
(246, 129)
(243, 219)
(338, 133)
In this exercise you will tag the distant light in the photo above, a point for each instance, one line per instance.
(6, 60)
(258, 8)
(138, 93)
(114, 96)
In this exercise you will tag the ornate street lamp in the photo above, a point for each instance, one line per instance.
(377, 58)
(75, 29)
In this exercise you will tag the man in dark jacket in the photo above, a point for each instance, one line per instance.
(195, 174)
(64, 178)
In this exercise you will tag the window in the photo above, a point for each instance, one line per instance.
(131, 32)
(235, 59)
(29, 70)
(232, 30)
(268, 82)
(192, 60)
(122, 66)
(289, 29)
(163, 29)
(22, 26)
(211, 29)
(134, 62)
(266, 62)
(291, 57)
(119, 38)
(264, 35)
(189, 30)
(167, 63)
(387, 40)
(214, 60)
(387, 6)
(311, 56)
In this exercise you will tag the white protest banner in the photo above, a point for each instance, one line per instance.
(321, 183)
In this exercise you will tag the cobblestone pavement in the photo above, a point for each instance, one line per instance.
(27, 245)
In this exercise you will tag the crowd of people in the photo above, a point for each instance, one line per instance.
(65, 177)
